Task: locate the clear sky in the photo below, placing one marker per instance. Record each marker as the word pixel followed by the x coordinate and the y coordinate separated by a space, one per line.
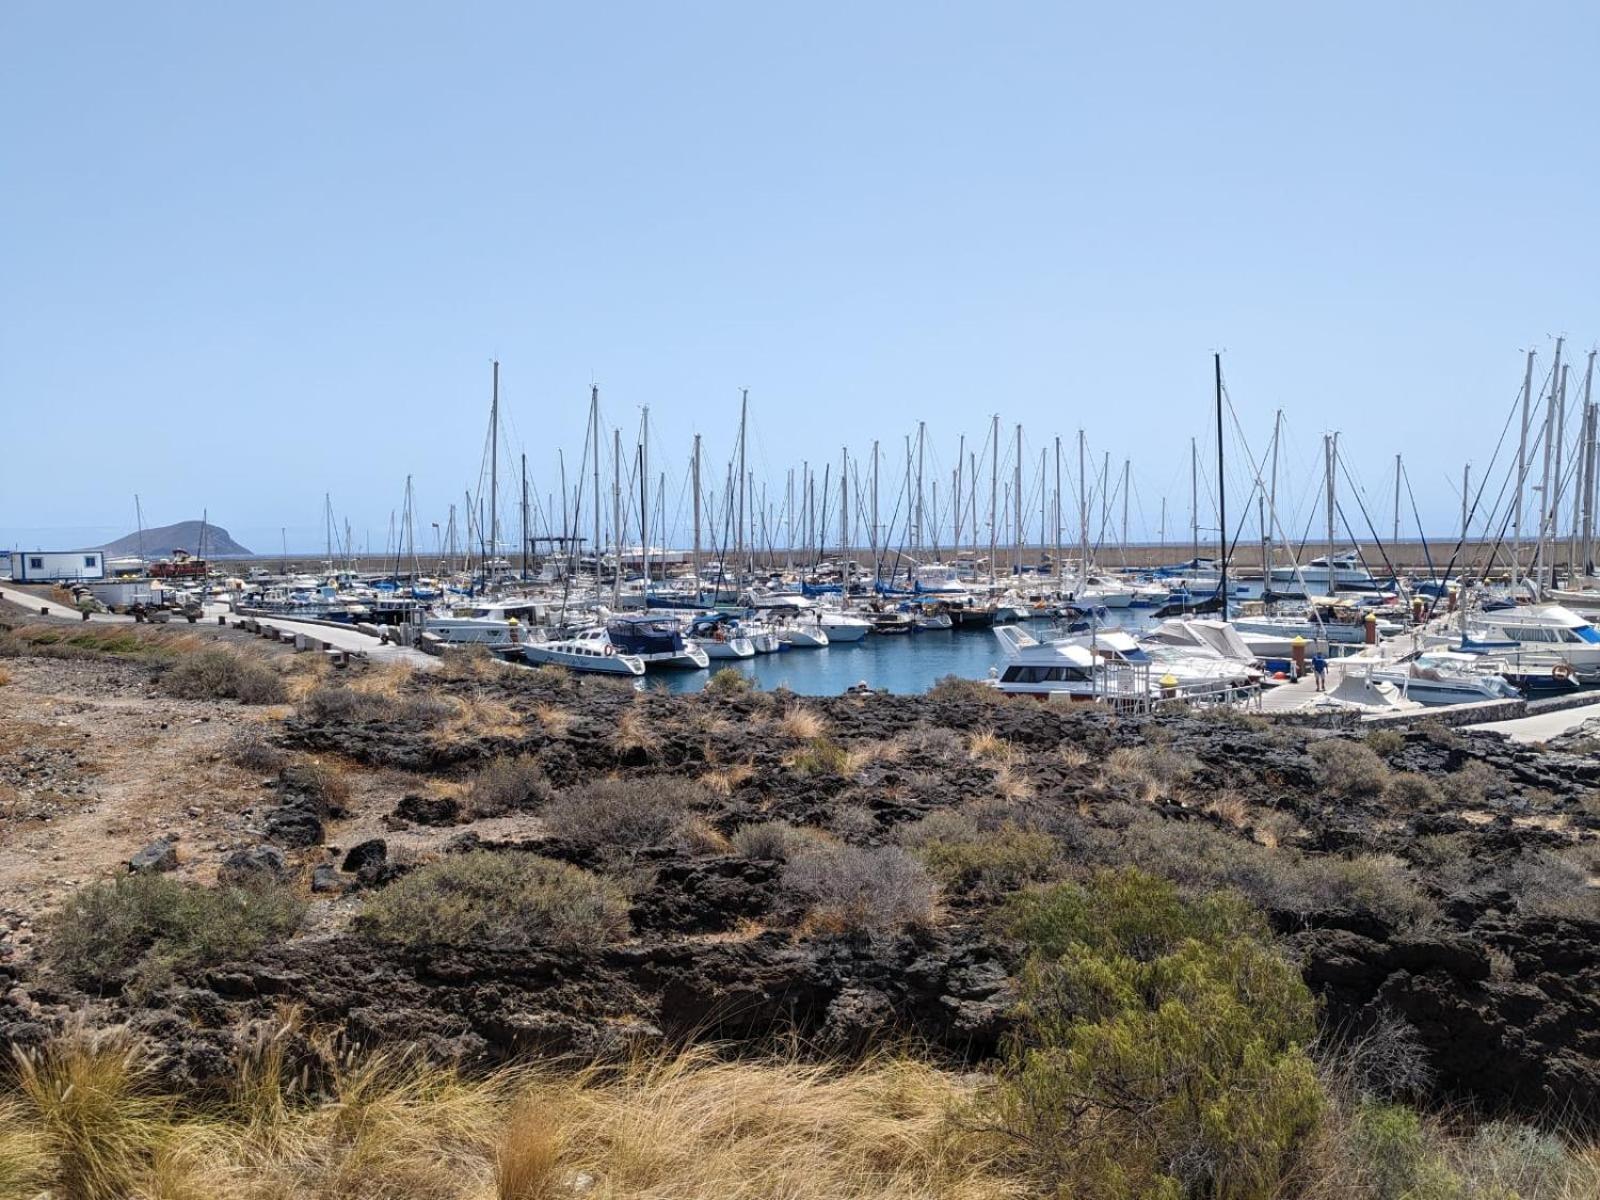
pixel 250 254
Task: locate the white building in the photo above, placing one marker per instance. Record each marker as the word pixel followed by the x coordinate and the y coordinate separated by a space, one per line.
pixel 57 566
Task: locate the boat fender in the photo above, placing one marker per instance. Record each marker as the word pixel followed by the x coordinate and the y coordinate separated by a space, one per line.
pixel 610 649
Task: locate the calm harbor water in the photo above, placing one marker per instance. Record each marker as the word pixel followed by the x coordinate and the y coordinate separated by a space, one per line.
pixel 906 663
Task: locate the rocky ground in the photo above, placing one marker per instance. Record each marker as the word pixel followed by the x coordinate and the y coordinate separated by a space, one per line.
pixel 1438 890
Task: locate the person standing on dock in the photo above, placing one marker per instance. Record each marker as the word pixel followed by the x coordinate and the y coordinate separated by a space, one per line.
pixel 1319 668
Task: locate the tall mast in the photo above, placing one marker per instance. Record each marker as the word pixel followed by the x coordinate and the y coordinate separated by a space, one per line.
pixel 138 518
pixel 1331 448
pixel 616 516
pixel 1522 476
pixel 694 477
pixel 922 428
pixel 956 493
pixel 844 513
pixel 994 491
pixel 1466 491
pixel 594 439
pixel 788 520
pixel 1194 497
pixel 327 524
pixel 1083 517
pixel 1544 487
pixel 1016 519
pixel 1222 494
pixel 1272 504
pixel 1579 478
pixel 1044 505
pixel 525 515
pixel 1055 560
pixel 744 408
pixel 877 546
pixel 1395 537
pixel 1105 497
pixel 644 497
pixel 1556 487
pixel 1589 417
pixel 1127 466
pixel 494 464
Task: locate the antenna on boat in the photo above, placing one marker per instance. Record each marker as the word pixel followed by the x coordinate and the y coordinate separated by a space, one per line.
pixel 1222 494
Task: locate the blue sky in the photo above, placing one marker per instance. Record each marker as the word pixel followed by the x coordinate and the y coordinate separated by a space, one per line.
pixel 252 254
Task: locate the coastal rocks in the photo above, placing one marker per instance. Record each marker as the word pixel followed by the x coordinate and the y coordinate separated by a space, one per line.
pixel 295 827
pixel 428 810
pixel 366 857
pixel 159 855
pixel 324 879
pixel 1525 1039
pixel 253 866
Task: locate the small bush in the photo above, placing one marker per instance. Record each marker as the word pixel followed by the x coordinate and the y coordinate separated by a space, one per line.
pixel 335 704
pixel 217 674
pixel 962 856
pixel 144 928
pixel 1349 769
pixel 508 785
pixel 622 817
pixel 1547 884
pixel 1385 743
pixel 1396 1158
pixel 728 681
pixel 250 749
pixel 632 737
pixel 856 890
pixel 1377 884
pixel 822 756
pixel 1471 785
pixel 775 840
pixel 323 784
pixel 509 900
pixel 952 689
pixel 1159 1051
pixel 1156 771
pixel 1413 791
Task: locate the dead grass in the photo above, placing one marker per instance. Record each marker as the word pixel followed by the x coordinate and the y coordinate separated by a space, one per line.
pixel 5 677
pixel 1011 783
pixel 801 722
pixel 1073 755
pixel 633 736
pixel 1229 807
pixel 1152 772
pixel 988 746
pixel 724 781
pixel 552 718
pixel 477 716
pixel 86 1127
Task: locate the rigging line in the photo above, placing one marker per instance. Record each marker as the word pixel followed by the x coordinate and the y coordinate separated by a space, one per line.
pixel 1361 503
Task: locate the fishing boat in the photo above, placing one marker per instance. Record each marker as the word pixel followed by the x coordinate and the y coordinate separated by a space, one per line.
pixel 1446 677
pixel 590 651
pixel 720 637
pixel 1068 672
pixel 1546 633
pixel 655 641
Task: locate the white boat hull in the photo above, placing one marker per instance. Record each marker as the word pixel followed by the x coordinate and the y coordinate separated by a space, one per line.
pixel 735 647
pixel 590 661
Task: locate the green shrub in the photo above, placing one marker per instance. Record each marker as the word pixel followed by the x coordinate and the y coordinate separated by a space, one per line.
pixel 853 889
pixel 621 816
pixel 509 900
pixel 1412 791
pixel 508 785
pixel 1471 785
pixel 728 681
pixel 1159 1051
pixel 963 692
pixel 821 756
pixel 999 860
pixel 1395 1157
pixel 217 674
pixel 1349 769
pixel 1385 743
pixel 776 840
pixel 144 928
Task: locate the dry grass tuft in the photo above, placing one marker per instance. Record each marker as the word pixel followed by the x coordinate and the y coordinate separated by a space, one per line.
pixel 801 722
pixel 724 781
pixel 552 718
pixel 1073 755
pixel 685 1125
pixel 633 736
pixel 988 746
pixel 1011 783
pixel 5 678
pixel 476 716
pixel 1229 807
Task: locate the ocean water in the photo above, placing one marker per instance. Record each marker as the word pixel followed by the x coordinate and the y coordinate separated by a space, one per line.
pixel 902 663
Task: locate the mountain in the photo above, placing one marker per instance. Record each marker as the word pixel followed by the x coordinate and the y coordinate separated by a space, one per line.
pixel 185 535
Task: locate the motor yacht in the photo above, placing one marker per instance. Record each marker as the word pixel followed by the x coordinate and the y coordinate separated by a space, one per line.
pixel 656 641
pixel 590 651
pixel 1446 677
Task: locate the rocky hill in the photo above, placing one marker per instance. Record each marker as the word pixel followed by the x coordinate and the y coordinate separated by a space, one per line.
pixel 185 535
